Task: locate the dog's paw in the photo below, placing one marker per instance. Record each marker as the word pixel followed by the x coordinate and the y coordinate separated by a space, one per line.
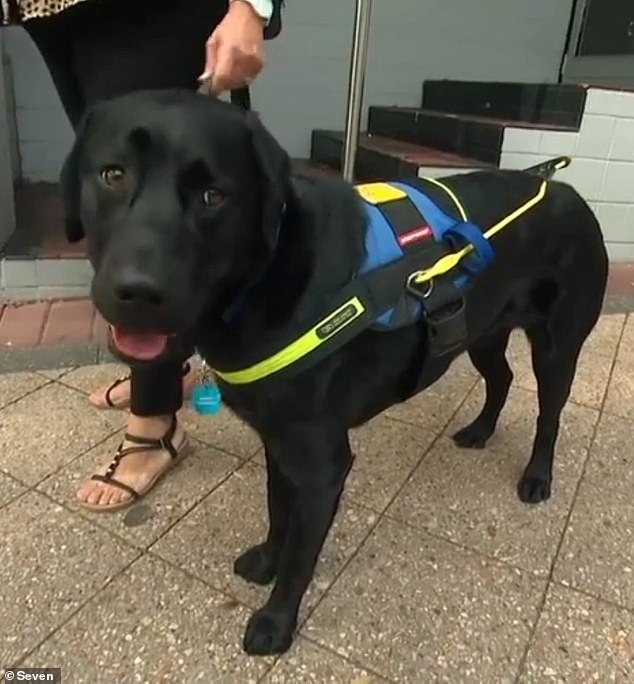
pixel 473 436
pixel 533 489
pixel 256 565
pixel 268 633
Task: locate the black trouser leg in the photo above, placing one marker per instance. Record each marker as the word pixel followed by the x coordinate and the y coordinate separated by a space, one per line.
pixel 156 390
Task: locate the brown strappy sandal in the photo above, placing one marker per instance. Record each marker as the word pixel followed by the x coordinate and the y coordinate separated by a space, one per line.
pixel 144 444
pixel 107 403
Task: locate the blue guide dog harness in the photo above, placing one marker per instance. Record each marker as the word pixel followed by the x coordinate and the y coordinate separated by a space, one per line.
pixel 419 263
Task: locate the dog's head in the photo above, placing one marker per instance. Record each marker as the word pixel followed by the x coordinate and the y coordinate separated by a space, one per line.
pixel 180 198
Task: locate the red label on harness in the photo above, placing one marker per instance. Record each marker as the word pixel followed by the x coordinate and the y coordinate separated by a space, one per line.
pixel 415 235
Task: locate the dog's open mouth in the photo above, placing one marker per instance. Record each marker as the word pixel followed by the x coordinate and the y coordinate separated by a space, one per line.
pixel 141 346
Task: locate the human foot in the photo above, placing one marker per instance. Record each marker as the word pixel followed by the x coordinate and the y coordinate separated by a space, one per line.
pixel 150 448
pixel 117 394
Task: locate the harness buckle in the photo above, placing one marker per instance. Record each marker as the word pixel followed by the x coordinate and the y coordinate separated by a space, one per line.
pixel 420 291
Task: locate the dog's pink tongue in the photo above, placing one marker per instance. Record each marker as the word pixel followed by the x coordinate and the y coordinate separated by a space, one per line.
pixel 136 345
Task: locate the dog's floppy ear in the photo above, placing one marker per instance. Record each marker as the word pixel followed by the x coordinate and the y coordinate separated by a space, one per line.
pixel 70 187
pixel 275 169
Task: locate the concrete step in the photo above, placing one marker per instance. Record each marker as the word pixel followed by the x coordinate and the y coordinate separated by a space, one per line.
pixel 29 278
pixel 473 137
pixel 542 103
pixel 380 157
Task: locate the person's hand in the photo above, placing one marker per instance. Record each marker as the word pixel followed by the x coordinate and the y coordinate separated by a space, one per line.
pixel 235 50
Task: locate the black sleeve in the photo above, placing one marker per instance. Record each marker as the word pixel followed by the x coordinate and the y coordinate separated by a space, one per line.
pixel 275 25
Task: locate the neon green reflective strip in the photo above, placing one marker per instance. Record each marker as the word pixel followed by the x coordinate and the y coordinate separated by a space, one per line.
pixel 329 326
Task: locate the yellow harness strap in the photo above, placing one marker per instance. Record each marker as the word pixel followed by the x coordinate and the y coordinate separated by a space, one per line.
pixel 447 263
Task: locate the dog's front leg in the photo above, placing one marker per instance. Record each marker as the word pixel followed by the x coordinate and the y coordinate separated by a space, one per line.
pixel 259 563
pixel 315 469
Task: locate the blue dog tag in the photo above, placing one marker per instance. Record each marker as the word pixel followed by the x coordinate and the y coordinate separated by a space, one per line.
pixel 206 398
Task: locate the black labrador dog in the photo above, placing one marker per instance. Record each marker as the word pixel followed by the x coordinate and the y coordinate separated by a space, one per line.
pixel 189 204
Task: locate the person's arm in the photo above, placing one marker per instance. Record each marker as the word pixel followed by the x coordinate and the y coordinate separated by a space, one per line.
pixel 235 51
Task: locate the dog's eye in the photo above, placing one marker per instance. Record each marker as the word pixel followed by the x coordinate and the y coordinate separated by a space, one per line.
pixel 212 197
pixel 112 176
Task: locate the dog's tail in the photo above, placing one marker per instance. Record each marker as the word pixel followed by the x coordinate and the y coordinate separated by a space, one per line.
pixel 547 169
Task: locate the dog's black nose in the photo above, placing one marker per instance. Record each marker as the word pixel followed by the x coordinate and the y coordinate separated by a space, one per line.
pixel 134 288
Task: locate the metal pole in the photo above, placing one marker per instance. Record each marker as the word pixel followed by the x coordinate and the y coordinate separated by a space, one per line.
pixel 356 84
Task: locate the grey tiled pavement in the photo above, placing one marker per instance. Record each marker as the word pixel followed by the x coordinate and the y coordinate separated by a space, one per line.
pixel 434 571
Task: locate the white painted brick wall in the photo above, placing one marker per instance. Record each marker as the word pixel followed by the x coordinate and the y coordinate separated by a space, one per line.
pixel 558 143
pixel 595 136
pixel 622 147
pixel 603 162
pixel 522 140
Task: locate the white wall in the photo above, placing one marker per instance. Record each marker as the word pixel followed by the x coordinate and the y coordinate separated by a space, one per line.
pixel 602 168
pixel 44 132
pixel 304 86
pixel 7 208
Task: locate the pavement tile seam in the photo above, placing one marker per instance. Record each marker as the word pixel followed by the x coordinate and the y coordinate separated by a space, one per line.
pixel 93 521
pixel 253 459
pixel 562 536
pixel 19 495
pixel 538 616
pixel 77 390
pixel 110 435
pixel 24 659
pixel 355 663
pixel 46 383
pixel 615 356
pixel 475 380
pixel 197 578
pixel 591 595
pixel 62 373
pixel 13 499
pixel 241 457
pixel 341 571
pixel 267 672
pixel 235 472
pixel 84 393
pixel 626 321
pixel 199 501
pixel 462 547
pixel 542 602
